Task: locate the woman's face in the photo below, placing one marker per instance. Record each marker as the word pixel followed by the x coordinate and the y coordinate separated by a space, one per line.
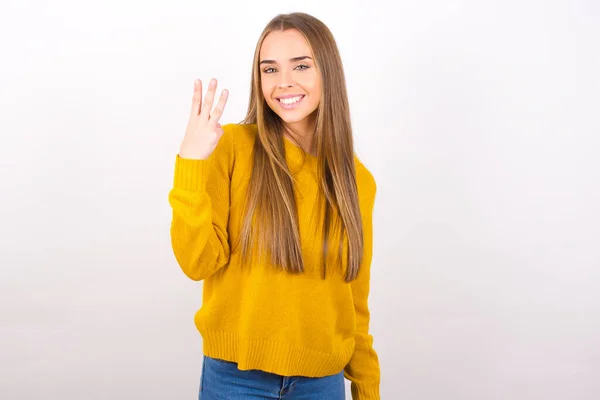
pixel 291 83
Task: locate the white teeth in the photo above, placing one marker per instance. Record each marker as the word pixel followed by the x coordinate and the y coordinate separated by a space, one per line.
pixel 291 100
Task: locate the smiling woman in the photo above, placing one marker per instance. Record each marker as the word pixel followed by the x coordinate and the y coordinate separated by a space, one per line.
pixel 275 215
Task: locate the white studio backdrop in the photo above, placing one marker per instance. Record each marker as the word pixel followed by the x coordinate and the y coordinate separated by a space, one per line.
pixel 479 120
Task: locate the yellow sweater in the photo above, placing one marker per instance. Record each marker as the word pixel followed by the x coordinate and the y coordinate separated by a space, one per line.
pixel 262 317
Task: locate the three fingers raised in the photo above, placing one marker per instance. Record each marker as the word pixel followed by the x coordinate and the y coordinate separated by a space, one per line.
pixel 203 108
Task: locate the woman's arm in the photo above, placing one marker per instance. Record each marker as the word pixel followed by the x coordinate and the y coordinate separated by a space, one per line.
pixel 200 201
pixel 363 368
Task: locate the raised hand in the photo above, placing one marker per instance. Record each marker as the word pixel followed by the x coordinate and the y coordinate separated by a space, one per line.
pixel 203 130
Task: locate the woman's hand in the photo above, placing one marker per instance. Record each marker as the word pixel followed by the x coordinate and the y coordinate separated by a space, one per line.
pixel 203 130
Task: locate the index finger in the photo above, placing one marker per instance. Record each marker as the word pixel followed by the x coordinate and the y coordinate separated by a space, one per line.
pixel 218 111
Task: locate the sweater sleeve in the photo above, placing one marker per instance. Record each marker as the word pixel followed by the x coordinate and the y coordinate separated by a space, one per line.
pixel 200 200
pixel 363 369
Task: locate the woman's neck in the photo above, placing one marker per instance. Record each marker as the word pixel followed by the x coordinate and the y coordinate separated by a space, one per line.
pixel 303 133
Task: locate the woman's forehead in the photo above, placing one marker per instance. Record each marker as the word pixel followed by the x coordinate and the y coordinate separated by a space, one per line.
pixel 281 46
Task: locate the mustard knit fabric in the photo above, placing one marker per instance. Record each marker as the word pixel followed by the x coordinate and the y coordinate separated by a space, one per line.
pixel 262 317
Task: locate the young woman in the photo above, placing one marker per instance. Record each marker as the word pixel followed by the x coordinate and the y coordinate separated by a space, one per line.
pixel 275 215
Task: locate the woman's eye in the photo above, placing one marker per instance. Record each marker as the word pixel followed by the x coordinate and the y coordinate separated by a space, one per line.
pixel 270 70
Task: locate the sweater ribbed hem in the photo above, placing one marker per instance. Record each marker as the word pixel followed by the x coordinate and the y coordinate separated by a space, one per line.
pixel 190 174
pixel 365 391
pixel 274 357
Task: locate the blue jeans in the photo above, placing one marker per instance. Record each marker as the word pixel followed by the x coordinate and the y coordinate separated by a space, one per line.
pixel 222 380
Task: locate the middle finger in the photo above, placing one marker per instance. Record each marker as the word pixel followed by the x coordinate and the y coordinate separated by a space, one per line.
pixel 209 99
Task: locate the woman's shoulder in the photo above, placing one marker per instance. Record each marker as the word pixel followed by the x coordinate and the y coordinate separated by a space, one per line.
pixel 363 175
pixel 236 142
pixel 242 135
pixel 365 181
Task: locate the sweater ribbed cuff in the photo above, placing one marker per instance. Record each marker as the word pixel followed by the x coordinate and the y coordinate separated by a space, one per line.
pixel 190 174
pixel 365 391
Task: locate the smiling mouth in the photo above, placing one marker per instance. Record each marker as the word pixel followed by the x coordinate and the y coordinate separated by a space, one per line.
pixel 290 102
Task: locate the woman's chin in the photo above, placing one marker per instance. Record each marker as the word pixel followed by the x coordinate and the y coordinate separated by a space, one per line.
pixel 291 119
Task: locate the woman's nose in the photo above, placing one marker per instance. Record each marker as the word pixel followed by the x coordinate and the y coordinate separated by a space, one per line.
pixel 285 79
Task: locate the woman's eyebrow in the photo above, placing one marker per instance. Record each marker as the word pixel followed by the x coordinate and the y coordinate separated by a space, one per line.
pixel 291 60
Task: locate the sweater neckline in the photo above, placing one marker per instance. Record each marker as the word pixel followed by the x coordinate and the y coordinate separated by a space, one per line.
pixel 297 155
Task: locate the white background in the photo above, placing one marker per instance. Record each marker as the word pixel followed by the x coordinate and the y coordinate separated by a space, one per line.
pixel 479 120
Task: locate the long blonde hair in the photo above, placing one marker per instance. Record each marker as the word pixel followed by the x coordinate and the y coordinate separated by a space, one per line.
pixel 271 211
